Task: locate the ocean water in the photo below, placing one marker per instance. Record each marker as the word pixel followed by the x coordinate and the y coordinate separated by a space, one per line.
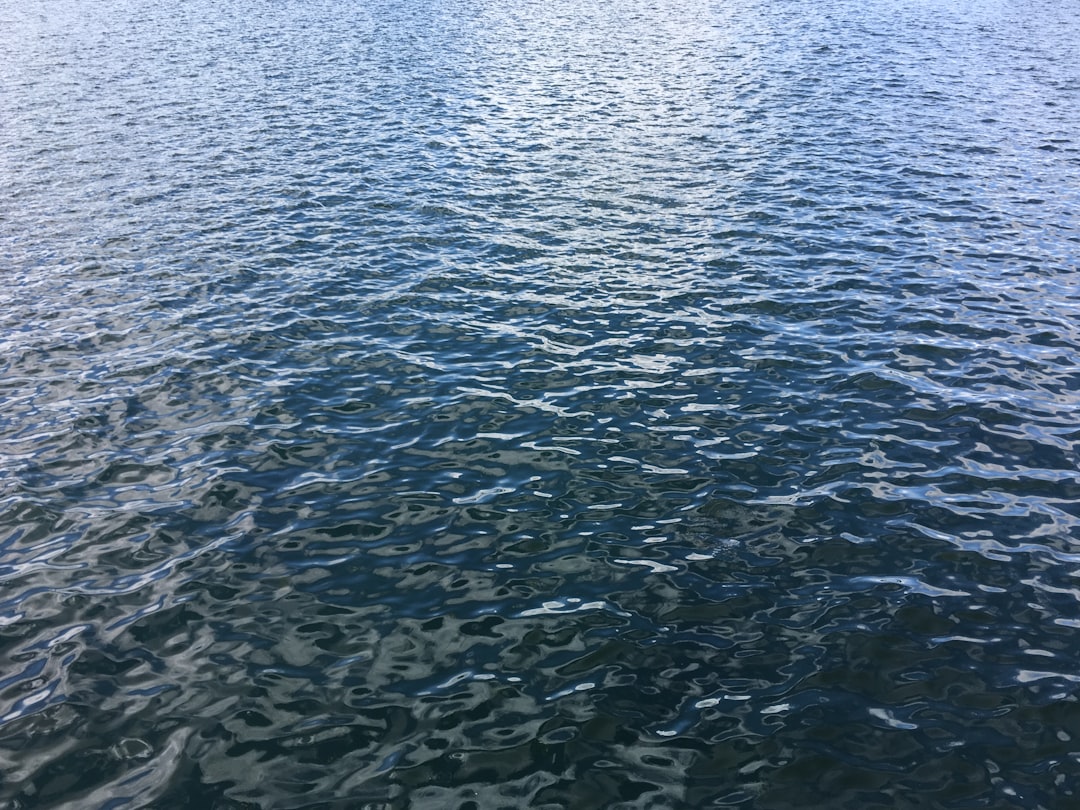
pixel 625 404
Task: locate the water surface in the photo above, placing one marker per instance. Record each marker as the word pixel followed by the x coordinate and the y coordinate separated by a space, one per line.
pixel 539 404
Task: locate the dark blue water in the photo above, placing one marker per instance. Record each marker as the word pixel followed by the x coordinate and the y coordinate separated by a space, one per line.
pixel 636 404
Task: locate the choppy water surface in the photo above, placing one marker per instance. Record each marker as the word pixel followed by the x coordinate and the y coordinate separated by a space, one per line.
pixel 638 404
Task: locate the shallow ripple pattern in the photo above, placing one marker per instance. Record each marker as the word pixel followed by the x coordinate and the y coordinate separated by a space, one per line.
pixel 539 404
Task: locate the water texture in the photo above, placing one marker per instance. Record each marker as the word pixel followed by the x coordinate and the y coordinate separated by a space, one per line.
pixel 636 404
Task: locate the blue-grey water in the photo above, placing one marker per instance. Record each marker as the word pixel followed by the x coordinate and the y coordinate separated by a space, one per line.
pixel 539 404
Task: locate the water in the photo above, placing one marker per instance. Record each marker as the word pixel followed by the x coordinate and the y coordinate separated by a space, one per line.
pixel 641 404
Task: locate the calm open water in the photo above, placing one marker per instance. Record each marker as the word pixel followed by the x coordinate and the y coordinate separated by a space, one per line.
pixel 548 404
